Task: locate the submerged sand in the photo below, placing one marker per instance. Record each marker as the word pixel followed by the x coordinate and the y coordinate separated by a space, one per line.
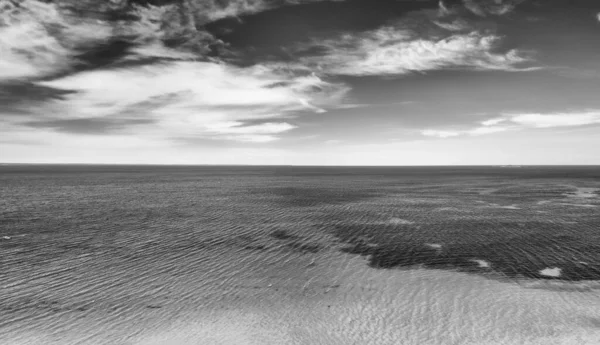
pixel 339 300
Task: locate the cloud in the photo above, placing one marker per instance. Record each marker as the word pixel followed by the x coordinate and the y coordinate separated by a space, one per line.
pixel 191 99
pixel 41 40
pixel 26 48
pixel 15 96
pixel 212 10
pixel 448 37
pixel 454 25
pixel 439 133
pixel 44 39
pixel 512 122
pixel 487 130
pixel 483 8
pixel 152 68
pixel 395 51
pixel 492 122
pixel 215 9
pixel 556 119
pixel 37 39
pixel 482 130
pixel 88 125
pixel 202 84
pixel 263 132
pixel 333 141
pixel 154 72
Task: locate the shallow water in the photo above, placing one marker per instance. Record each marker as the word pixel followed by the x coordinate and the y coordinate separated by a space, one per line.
pixel 289 255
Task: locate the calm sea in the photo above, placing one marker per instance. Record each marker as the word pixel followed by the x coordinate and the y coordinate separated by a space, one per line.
pixel 148 255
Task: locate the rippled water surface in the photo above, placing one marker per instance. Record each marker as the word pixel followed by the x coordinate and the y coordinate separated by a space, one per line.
pixel 299 255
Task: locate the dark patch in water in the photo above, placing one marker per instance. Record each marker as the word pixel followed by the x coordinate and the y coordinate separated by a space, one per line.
pixel 283 235
pixel 593 322
pixel 515 256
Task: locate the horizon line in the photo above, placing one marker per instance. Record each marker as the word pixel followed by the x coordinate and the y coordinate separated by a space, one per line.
pixel 298 165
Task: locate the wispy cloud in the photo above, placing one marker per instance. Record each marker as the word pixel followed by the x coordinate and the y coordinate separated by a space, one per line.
pixel 440 133
pixel 492 122
pixel 395 51
pixel 333 141
pixel 556 119
pixel 38 39
pixel 511 122
pixel 491 7
pixel 487 130
pixel 264 132
pixel 195 99
pixel 482 8
pixel 218 9
pixel 448 37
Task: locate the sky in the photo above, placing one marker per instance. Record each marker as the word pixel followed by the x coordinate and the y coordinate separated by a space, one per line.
pixel 300 82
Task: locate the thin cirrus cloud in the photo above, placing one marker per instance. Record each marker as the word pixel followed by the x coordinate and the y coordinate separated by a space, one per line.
pixel 264 132
pixel 511 122
pixel 422 41
pixel 484 8
pixel 395 51
pixel 557 119
pixel 453 17
pixel 218 9
pixel 439 133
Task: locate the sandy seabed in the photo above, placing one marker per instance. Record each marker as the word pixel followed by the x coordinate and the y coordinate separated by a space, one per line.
pixel 403 307
pixel 343 302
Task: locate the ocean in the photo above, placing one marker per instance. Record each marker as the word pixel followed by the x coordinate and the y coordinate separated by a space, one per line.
pixel 157 255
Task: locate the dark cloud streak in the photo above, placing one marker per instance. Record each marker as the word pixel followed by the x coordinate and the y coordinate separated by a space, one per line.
pixel 16 95
pixel 91 125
